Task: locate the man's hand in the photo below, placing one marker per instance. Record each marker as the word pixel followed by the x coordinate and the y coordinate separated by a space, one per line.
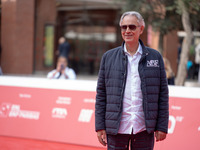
pixel 58 68
pixel 101 134
pixel 160 135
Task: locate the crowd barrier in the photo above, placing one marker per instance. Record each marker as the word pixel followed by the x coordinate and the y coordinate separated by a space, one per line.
pixel 63 111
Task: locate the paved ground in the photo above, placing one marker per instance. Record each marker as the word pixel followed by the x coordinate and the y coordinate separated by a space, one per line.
pixel 11 143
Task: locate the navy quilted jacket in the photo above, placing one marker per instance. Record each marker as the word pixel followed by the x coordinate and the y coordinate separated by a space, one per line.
pixel 111 85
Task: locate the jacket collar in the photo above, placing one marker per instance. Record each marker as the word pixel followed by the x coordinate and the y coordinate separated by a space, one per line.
pixel 144 49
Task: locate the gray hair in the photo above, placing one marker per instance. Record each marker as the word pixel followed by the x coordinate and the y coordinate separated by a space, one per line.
pixel 133 13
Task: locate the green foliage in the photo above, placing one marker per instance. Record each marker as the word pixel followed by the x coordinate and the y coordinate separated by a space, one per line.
pixel 165 15
pixel 192 6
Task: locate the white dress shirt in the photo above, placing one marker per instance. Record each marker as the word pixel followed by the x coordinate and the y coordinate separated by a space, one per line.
pixel 132 115
pixel 68 71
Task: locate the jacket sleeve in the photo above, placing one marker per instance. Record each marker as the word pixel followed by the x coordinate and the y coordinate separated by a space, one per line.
pixel 100 106
pixel 163 103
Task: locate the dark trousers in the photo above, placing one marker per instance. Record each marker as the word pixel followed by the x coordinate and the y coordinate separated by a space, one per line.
pixel 139 141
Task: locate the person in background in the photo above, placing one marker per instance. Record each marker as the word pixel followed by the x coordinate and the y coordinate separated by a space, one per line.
pixel 197 59
pixel 169 72
pixel 179 51
pixel 62 71
pixel 132 92
pixel 63 48
pixel 1 73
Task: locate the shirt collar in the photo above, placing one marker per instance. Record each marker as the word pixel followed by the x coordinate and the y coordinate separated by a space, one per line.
pixel 139 50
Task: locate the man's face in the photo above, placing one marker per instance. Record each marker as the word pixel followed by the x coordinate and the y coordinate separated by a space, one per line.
pixel 62 63
pixel 131 35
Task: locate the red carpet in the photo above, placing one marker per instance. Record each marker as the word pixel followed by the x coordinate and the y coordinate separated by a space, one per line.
pixel 10 143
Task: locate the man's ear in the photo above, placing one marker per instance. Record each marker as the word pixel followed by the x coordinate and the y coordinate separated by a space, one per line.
pixel 141 29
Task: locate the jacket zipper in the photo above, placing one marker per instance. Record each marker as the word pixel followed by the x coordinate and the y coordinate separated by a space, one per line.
pixel 123 87
pixel 144 97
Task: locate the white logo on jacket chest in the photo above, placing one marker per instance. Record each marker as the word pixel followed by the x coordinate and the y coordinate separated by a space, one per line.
pixel 152 63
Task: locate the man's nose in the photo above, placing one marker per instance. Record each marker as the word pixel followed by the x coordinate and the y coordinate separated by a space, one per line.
pixel 128 29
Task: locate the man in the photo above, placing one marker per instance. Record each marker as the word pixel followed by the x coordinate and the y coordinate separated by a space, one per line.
pixel 62 71
pixel 132 92
pixel 63 48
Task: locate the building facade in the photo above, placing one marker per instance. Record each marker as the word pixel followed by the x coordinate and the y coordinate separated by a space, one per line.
pixel 30 30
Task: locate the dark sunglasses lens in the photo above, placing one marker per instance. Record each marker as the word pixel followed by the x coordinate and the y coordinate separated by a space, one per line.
pixel 132 27
pixel 124 27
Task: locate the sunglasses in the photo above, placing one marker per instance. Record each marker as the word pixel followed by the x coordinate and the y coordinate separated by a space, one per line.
pixel 131 27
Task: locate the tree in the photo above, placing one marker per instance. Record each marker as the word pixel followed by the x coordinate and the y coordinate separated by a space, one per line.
pixel 167 15
pixel 184 7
